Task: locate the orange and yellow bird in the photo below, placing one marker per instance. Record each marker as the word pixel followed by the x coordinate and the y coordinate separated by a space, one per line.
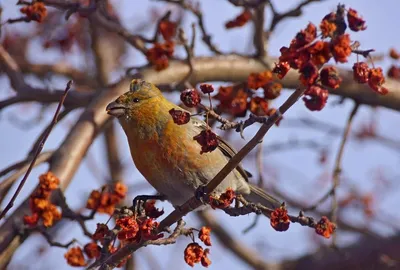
pixel 166 153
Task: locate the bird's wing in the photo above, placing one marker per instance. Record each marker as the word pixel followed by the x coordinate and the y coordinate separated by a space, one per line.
pixel 224 147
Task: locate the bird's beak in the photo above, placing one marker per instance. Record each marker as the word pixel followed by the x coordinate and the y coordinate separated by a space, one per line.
pixel 116 109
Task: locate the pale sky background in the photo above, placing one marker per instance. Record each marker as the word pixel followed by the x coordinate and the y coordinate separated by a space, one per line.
pixel 297 171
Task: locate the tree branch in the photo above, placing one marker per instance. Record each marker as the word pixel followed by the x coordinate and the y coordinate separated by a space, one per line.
pixel 259 33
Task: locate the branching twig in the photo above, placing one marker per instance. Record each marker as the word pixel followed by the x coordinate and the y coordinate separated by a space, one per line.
pixel 238 126
pixel 157 32
pixel 294 12
pixel 100 18
pixel 50 241
pixel 67 212
pixel 38 150
pixel 197 12
pixel 258 209
pixel 113 260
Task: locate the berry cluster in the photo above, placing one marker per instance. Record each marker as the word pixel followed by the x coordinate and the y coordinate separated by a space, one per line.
pixel 309 55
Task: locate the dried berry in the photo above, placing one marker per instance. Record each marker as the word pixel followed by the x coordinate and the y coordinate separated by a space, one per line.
pixel 208 140
pixel 356 23
pixel 330 77
pixel 325 228
pixel 190 97
pixel 279 219
pixel 315 98
pixel 180 117
pixel 361 72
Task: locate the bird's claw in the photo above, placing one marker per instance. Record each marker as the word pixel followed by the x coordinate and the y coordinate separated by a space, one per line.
pixel 140 200
pixel 201 193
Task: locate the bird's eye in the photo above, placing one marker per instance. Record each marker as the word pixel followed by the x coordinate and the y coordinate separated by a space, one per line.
pixel 136 100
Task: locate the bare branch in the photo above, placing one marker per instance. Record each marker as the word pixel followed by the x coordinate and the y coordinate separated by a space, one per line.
pixel 189 55
pixel 232 68
pixel 197 12
pixel 338 164
pixel 49 239
pixel 259 33
pixel 294 12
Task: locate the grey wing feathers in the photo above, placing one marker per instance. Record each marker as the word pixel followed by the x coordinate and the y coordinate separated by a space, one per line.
pixel 224 147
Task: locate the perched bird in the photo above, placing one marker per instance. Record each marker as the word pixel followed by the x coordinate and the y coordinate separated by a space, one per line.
pixel 166 153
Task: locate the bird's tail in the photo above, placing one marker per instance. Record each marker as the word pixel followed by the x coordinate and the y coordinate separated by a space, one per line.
pixel 258 195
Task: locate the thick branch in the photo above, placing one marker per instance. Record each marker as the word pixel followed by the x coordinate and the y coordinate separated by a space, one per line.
pixel 235 68
pixel 259 33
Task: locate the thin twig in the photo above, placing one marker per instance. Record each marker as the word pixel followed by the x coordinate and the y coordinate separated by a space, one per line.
pixel 46 130
pixel 189 58
pixel 338 165
pixel 7 183
pixel 238 126
pixel 38 150
pixel 113 260
pixel 252 225
pixel 51 242
pixel 258 209
pixel 197 12
pixel 67 212
pixel 294 12
pixel 320 201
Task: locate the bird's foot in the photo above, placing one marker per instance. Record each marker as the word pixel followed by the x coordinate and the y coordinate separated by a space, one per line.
pixel 201 194
pixel 140 200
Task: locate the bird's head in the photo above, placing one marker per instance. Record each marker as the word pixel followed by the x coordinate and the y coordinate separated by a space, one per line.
pixel 127 105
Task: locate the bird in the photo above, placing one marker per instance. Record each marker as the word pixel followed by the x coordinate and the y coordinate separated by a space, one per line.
pixel 167 155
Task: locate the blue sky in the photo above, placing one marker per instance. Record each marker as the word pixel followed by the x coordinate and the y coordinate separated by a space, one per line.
pixel 296 172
